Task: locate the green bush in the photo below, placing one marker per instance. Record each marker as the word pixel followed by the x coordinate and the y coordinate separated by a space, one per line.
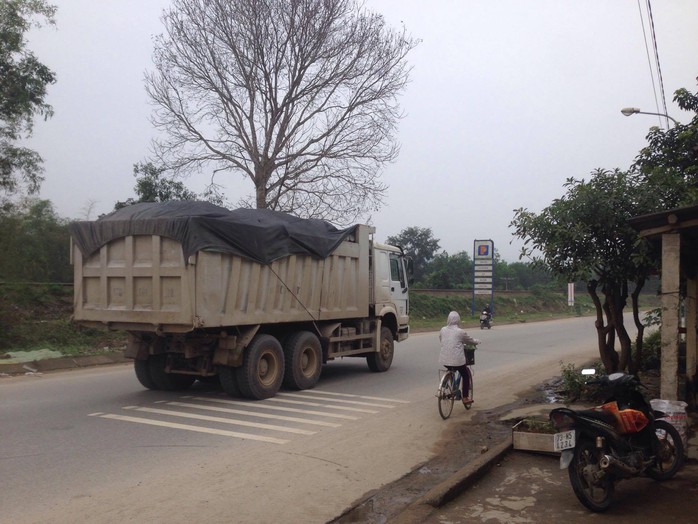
pixel 574 386
pixel 651 351
pixel 423 305
pixel 35 316
pixel 429 311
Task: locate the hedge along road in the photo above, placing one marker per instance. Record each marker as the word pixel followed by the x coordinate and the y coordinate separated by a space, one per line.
pixel 92 445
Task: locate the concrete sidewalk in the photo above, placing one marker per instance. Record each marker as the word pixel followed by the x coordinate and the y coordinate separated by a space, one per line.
pixel 32 362
pixel 512 486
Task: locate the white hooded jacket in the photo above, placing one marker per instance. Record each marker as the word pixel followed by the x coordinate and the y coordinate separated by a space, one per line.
pixel 452 338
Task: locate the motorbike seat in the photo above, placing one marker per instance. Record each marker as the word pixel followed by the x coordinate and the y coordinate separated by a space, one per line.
pixel 597 414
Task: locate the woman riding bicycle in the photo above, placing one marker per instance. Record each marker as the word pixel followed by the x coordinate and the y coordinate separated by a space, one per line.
pixel 452 354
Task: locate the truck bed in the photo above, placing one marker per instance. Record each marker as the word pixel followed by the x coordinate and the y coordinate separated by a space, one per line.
pixel 144 283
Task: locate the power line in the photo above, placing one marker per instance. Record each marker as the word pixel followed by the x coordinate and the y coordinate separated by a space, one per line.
pixel 656 60
pixel 656 57
pixel 647 51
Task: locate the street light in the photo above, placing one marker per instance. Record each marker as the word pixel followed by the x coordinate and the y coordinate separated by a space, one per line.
pixel 627 111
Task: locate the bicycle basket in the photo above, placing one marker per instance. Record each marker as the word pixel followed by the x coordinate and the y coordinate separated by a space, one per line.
pixel 469 356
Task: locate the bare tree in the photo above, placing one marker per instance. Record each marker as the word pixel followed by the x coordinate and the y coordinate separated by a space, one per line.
pixel 298 95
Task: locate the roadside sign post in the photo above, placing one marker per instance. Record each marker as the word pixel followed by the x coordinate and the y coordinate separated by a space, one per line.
pixel 483 272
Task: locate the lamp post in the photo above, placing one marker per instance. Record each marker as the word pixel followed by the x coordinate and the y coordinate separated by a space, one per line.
pixel 627 111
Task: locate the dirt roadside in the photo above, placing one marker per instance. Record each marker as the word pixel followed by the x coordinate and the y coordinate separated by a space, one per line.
pixel 466 453
pixel 487 433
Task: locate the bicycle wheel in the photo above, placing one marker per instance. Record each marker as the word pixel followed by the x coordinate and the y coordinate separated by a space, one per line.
pixel 468 405
pixel 445 395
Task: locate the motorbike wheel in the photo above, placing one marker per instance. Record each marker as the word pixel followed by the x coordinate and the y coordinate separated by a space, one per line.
pixel 593 487
pixel 670 453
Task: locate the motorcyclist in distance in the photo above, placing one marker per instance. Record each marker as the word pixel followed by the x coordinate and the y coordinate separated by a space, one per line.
pixel 486 317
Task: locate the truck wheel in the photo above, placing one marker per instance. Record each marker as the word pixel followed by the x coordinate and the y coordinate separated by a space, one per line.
pixel 381 360
pixel 142 370
pixel 303 357
pixel 228 380
pixel 167 381
pixel 262 369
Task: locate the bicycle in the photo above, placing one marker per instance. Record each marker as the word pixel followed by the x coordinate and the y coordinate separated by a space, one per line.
pixel 449 386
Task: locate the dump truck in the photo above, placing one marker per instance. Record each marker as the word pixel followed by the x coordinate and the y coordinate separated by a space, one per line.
pixel 257 298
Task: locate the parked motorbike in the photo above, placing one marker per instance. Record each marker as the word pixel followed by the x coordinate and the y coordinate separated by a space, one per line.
pixel 620 439
pixel 485 320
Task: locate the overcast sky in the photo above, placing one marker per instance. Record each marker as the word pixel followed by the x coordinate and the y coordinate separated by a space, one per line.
pixel 507 99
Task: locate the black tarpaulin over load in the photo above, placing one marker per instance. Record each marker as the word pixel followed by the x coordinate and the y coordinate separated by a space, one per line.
pixel 258 234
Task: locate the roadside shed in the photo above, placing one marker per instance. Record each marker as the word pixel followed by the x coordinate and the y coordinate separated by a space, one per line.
pixel 676 233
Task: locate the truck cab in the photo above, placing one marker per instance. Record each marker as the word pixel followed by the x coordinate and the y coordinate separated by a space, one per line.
pixel 391 286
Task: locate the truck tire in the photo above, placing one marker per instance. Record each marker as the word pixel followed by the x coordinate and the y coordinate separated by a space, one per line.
pixel 167 381
pixel 303 358
pixel 229 382
pixel 262 370
pixel 142 369
pixel 381 360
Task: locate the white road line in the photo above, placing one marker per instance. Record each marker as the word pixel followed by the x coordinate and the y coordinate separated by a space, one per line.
pixel 260 405
pixel 325 399
pixel 277 399
pixel 221 420
pixel 212 431
pixel 349 395
pixel 254 414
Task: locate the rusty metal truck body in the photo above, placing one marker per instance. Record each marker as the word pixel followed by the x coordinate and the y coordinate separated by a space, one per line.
pixel 256 318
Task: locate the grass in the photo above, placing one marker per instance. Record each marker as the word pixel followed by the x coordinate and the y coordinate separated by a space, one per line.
pixel 535 425
pixel 38 317
pixel 429 312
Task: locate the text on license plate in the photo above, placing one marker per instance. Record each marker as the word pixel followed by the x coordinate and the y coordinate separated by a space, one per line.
pixel 564 440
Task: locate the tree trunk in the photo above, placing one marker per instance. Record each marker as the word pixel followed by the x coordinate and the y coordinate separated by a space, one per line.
pixel 609 358
pixel 617 295
pixel 263 172
pixel 638 323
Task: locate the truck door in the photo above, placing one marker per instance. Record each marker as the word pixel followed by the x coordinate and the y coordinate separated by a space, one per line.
pixel 398 287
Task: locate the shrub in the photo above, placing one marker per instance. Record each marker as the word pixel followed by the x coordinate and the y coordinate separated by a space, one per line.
pixel 34 316
pixel 651 351
pixel 574 386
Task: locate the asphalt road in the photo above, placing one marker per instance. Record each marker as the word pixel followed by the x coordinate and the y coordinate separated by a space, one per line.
pixel 92 445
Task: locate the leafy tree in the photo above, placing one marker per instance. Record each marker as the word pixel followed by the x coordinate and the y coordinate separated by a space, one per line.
pixel 23 81
pixel 151 186
pixel 669 164
pixel 299 97
pixel 446 271
pixel 420 244
pixel 34 243
pixel 527 275
pixel 585 235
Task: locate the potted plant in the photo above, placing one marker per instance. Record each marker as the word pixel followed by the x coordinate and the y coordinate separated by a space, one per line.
pixel 533 434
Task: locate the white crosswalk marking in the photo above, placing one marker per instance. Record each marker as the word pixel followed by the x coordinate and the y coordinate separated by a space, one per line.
pixel 276 408
pixel 315 404
pixel 198 429
pixel 350 395
pixel 342 401
pixel 259 415
pixel 221 420
pixel 294 412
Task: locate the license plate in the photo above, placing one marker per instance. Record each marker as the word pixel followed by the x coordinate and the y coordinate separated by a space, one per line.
pixel 564 440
